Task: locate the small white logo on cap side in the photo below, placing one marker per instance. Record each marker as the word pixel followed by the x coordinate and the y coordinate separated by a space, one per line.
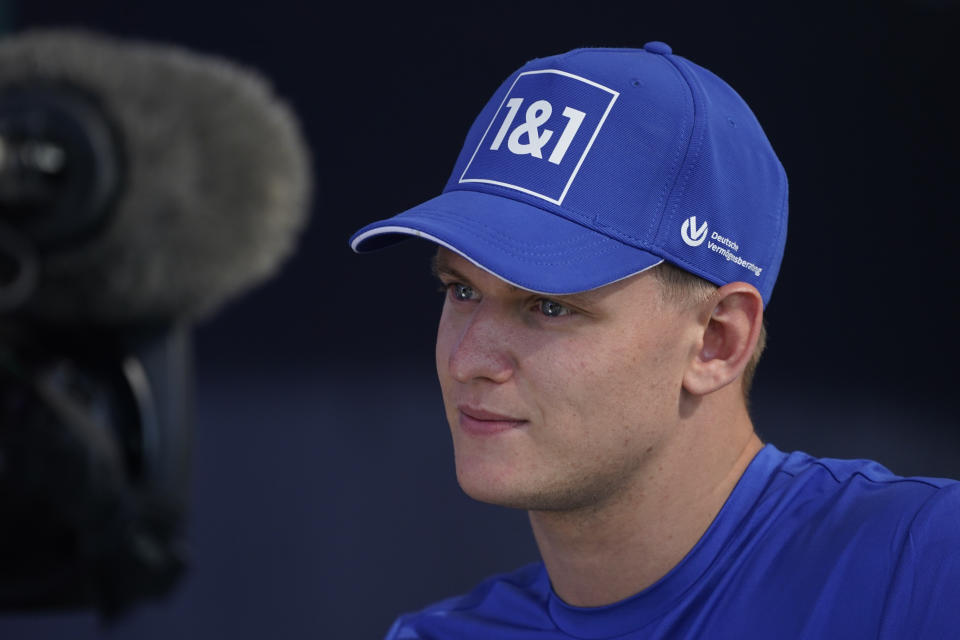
pixel 691 234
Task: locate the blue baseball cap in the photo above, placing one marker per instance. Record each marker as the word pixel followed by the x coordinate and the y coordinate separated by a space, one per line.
pixel 590 166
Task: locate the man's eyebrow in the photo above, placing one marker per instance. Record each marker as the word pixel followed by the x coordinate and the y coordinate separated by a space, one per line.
pixel 441 266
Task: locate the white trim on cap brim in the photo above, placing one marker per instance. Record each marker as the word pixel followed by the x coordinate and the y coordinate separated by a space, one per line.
pixel 420 234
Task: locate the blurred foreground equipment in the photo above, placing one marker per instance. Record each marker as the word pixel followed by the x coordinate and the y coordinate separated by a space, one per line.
pixel 141 187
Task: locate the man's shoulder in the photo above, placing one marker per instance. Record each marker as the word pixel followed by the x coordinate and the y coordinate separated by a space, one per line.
pixel 853 500
pixel 852 506
pixel 820 527
pixel 859 487
pixel 513 596
pixel 796 532
pixel 843 470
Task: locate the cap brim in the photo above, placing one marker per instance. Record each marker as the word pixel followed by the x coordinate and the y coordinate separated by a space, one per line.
pixel 523 245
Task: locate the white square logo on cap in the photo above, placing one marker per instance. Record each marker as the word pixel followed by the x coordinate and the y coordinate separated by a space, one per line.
pixel 541 134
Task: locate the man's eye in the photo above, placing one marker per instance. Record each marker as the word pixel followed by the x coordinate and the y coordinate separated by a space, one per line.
pixel 461 292
pixel 551 308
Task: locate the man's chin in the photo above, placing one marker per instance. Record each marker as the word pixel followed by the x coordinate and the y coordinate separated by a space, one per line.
pixel 516 495
pixel 494 491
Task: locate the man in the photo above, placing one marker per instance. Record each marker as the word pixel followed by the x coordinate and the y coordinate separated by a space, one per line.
pixel 608 240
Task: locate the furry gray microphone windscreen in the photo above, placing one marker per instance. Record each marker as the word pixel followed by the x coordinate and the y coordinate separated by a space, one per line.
pixel 142 186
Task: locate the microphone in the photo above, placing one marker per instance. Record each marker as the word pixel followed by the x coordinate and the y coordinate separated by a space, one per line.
pixel 184 175
pixel 142 186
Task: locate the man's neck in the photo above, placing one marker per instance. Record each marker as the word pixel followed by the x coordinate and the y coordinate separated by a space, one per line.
pixel 607 553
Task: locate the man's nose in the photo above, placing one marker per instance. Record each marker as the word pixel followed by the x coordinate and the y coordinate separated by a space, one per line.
pixel 481 350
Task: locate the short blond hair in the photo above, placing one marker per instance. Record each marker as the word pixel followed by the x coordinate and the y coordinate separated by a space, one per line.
pixel 680 286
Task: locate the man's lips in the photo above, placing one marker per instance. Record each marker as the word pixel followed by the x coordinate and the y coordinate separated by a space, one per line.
pixel 482 422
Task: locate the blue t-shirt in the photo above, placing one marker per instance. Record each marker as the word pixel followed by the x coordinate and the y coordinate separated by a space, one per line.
pixel 803 548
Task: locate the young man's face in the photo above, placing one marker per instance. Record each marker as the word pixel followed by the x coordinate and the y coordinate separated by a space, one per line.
pixel 561 402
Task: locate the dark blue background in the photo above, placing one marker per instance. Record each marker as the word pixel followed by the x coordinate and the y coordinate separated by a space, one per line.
pixel 324 496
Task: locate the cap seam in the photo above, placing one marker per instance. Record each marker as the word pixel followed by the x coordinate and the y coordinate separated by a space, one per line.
pixel 691 157
pixel 597 226
pixel 446 215
pixel 567 212
pixel 526 257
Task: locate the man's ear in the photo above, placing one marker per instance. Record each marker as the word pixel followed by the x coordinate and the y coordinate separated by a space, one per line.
pixel 731 325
